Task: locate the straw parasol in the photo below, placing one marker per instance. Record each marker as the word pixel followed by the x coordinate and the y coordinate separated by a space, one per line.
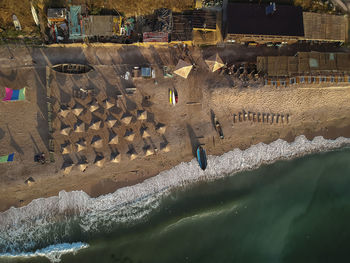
pixel 79 126
pixel 126 118
pixel 67 167
pixel 81 145
pixel 29 181
pixel 111 121
pixel 149 151
pixel 132 154
pixel 93 106
pixel 107 104
pixel 95 124
pixel 82 166
pixel 183 68
pixel 99 160
pixel 160 128
pixel 64 110
pixel 115 157
pixel 65 129
pixel 97 142
pixel 77 109
pixel 66 148
pixel 113 138
pixel 214 62
pixel 141 115
pixel 164 146
pixel 129 135
pixel 144 132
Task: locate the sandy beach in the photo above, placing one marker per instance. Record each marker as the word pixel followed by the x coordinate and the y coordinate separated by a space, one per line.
pixel 312 111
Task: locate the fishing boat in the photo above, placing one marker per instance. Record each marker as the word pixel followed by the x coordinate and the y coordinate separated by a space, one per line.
pixel 72 68
pixel 202 158
pixel 16 22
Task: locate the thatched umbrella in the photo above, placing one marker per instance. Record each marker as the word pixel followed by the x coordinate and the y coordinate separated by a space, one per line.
pixel 214 62
pixel 107 104
pixel 160 128
pixel 66 148
pixel 111 121
pixel 95 124
pixel 115 157
pixel 97 142
pixel 149 152
pixel 164 147
pixel 65 130
pixel 113 138
pixel 129 135
pixel 64 110
pixel 183 68
pixel 141 115
pixel 29 181
pixel 93 106
pixel 126 118
pixel 67 167
pixel 132 154
pixel 82 165
pixel 81 145
pixel 144 132
pixel 77 109
pixel 99 160
pixel 79 126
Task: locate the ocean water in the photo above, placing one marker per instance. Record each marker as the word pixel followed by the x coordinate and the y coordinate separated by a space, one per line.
pixel 249 206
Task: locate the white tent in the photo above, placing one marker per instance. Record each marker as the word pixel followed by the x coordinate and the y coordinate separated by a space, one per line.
pixel 183 68
pixel 214 62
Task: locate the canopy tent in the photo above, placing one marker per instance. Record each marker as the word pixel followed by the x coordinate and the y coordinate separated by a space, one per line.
pixel 107 104
pixel 113 138
pixel 99 160
pixel 214 62
pixel 95 124
pixel 97 142
pixel 81 145
pixel 7 158
pixel 160 128
pixel 66 148
pixel 111 121
pixel 129 135
pixel 65 130
pixel 115 157
pixel 79 126
pixel 93 106
pixel 183 68
pixel 14 94
pixel 63 112
pixel 126 118
pixel 144 132
pixel 77 109
pixel 141 115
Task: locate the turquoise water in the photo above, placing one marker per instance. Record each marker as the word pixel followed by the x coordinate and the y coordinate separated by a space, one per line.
pixel 289 211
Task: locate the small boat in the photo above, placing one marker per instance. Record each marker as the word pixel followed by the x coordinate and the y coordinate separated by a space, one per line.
pixel 176 98
pixel 218 128
pixel 35 14
pixel 72 68
pixel 171 96
pixel 16 22
pixel 202 158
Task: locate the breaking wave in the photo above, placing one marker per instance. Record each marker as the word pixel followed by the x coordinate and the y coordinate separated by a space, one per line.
pixel 60 218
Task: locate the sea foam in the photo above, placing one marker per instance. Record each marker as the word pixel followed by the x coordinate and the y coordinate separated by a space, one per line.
pixel 52 220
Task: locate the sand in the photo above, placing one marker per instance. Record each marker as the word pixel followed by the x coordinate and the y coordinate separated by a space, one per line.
pixel 24 130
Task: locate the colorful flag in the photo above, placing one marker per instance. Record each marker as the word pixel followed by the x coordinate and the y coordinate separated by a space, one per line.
pixel 14 94
pixel 7 158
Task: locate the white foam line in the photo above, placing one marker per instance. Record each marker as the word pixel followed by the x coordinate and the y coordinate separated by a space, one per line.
pixel 53 252
pixel 22 228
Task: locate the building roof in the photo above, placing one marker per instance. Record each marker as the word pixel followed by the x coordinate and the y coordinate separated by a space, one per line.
pixel 99 25
pixel 252 19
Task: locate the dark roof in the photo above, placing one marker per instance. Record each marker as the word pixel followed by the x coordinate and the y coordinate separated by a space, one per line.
pixel 252 19
pixel 182 26
pixel 204 19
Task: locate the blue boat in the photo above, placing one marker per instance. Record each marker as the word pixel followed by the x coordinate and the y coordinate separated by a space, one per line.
pixel 202 157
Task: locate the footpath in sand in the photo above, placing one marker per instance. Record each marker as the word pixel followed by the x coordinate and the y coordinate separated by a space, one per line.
pixel 24 128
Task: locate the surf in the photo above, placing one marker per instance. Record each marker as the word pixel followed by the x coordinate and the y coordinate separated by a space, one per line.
pixel 57 219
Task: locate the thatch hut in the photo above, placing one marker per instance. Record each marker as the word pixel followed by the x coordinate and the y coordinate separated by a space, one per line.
pixel 107 104
pixel 80 145
pixel 183 69
pixel 79 126
pixel 95 124
pixel 113 138
pixel 93 106
pixel 129 135
pixel 67 167
pixel 132 154
pixel 97 142
pixel 142 115
pixel 126 118
pixel 100 160
pixel 160 127
pixel 115 157
pixel 77 109
pixel 164 147
pixel 214 62
pixel 65 130
pixel 111 121
pixel 66 148
pixel 144 132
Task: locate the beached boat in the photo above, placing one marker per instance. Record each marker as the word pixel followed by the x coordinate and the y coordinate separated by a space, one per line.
pixel 202 157
pixel 16 22
pixel 35 14
pixel 72 68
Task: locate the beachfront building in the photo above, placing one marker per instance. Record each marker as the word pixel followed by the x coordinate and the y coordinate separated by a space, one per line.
pixel 305 67
pixel 281 24
pixel 101 26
